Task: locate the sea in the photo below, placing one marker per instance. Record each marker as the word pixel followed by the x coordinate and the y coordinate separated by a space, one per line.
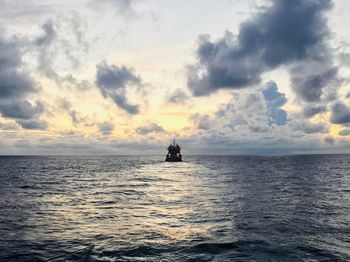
pixel 206 208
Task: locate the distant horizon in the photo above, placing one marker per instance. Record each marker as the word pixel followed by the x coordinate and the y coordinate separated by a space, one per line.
pixel 184 156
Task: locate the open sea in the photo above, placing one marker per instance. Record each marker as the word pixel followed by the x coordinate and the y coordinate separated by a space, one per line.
pixel 207 208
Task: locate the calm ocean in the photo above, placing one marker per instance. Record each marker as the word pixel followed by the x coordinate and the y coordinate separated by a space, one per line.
pixel 139 208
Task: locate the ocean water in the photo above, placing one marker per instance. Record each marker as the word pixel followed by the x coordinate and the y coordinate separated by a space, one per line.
pixel 207 208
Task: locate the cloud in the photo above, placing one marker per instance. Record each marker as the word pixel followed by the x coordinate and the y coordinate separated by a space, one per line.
pixel 344 132
pixel 311 128
pixel 151 128
pixel 340 114
pixel 21 109
pixel 178 97
pixel 106 128
pixel 13 83
pixel 126 9
pixel 48 36
pixel 80 146
pixel 313 110
pixel 22 8
pixel 76 118
pixel 8 126
pixel 275 100
pixel 329 140
pixel 16 86
pixel 344 59
pixel 310 79
pixel 33 124
pixel 285 33
pixel 251 143
pixel 258 111
pixel 202 122
pixel 119 6
pixel 43 44
pixel 113 82
pixel 61 47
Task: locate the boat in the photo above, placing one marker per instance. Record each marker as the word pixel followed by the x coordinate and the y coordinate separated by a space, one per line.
pixel 174 153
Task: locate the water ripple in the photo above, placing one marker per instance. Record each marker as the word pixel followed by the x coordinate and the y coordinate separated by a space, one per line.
pixel 217 208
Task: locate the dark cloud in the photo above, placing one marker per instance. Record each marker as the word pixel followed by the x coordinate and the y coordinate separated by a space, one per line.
pixel 13 83
pixel 275 100
pixel 33 124
pixel 311 128
pixel 312 110
pixel 113 82
pixel 151 128
pixel 114 77
pixel 106 128
pixel 21 109
pixel 16 86
pixel 310 85
pixel 340 114
pixel 287 32
pixel 178 97
pixel 344 132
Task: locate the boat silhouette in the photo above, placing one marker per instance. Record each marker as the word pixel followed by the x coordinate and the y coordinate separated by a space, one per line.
pixel 174 153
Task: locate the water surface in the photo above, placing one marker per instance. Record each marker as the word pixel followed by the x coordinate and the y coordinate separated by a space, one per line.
pixel 133 208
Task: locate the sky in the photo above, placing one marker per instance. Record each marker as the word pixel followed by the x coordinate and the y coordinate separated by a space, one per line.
pixel 222 76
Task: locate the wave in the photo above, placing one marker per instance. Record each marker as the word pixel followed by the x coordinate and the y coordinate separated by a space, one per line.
pixel 226 251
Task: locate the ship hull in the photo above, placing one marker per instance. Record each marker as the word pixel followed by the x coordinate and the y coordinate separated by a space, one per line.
pixel 173 159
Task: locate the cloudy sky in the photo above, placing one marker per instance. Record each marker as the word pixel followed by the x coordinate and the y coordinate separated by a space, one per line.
pixel 222 76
